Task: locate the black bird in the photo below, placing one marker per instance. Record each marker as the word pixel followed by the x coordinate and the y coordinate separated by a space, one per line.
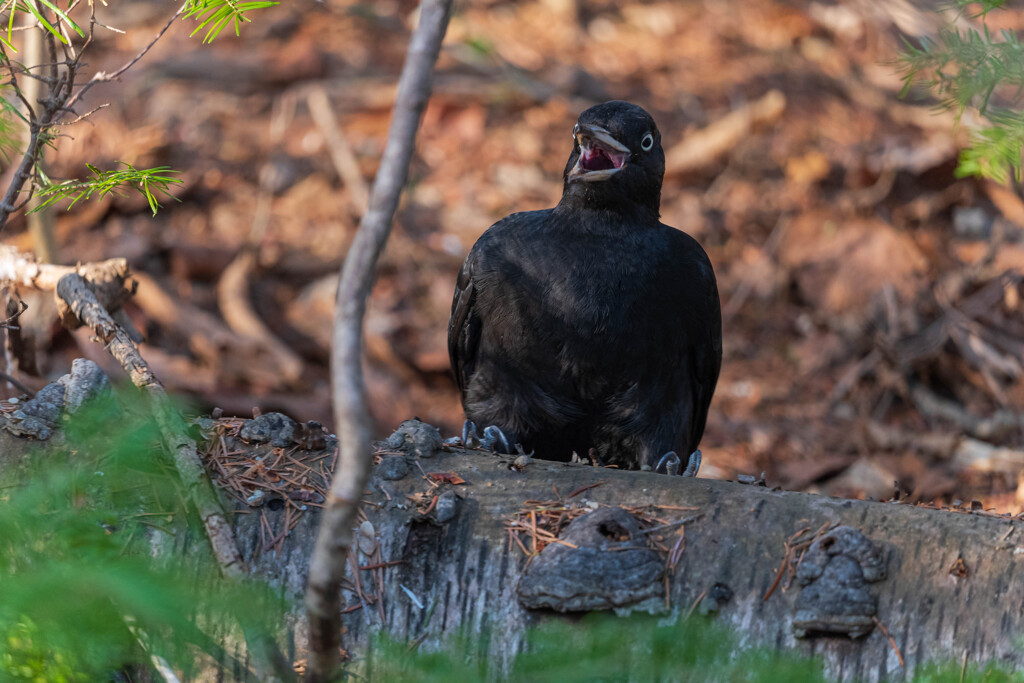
pixel 591 325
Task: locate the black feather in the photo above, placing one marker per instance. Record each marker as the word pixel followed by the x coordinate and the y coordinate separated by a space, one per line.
pixel 592 324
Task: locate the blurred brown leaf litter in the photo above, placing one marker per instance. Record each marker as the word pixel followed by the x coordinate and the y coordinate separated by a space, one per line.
pixel 872 300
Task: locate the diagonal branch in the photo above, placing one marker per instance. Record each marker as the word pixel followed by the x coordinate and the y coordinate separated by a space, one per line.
pixel 78 296
pixel 352 418
pixel 103 77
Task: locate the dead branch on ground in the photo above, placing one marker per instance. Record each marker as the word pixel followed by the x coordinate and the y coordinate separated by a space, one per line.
pixel 76 293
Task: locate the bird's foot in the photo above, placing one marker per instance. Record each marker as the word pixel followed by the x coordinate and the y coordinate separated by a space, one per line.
pixel 493 439
pixel 670 464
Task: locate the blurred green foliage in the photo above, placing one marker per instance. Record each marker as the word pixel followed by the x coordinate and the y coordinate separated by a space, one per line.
pixel 78 530
pixel 964 67
pixel 638 649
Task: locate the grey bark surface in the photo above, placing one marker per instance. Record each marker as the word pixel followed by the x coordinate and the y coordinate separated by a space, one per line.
pixel 464 573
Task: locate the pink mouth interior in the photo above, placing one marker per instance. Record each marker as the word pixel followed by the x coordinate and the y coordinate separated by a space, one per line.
pixel 597 159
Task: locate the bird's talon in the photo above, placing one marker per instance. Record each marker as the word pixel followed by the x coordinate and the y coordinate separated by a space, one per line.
pixel 669 464
pixel 693 465
pixel 495 440
pixel 469 435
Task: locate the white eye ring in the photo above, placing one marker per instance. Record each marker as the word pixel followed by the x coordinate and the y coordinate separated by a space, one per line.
pixel 647 143
pixel 575 130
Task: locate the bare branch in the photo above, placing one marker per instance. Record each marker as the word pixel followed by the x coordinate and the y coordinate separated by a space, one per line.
pixel 103 77
pixel 16 384
pixel 344 158
pixel 59 99
pixel 82 117
pixel 24 172
pixel 51 51
pixel 352 417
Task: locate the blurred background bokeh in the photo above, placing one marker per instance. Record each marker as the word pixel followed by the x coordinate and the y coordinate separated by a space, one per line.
pixel 871 300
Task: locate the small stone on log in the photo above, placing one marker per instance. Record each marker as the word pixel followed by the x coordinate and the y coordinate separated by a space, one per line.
pixel 85 384
pixel 276 428
pixel 415 438
pixel 447 506
pixel 393 467
pixel 40 416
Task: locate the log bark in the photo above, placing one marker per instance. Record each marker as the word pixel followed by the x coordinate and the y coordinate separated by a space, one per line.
pixel 463 574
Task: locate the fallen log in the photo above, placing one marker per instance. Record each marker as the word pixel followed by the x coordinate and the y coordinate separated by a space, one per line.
pixel 437 558
pixel 435 568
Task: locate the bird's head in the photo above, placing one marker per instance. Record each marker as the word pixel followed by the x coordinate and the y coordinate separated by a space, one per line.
pixel 617 159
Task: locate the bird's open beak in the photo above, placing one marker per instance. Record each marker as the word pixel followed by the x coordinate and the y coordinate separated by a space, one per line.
pixel 601 155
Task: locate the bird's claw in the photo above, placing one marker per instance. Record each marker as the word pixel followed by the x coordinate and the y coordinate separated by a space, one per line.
pixel 693 464
pixel 469 437
pixel 493 439
pixel 670 464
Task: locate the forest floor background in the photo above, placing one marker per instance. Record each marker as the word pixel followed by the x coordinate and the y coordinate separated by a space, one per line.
pixel 871 300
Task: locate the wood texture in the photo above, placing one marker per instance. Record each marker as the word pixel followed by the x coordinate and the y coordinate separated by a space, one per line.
pixel 464 573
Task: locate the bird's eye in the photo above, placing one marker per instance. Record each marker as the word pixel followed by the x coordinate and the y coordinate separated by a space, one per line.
pixel 647 143
pixel 575 131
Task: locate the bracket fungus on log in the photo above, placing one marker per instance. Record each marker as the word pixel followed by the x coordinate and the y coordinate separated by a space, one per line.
pixel 835 574
pixel 603 562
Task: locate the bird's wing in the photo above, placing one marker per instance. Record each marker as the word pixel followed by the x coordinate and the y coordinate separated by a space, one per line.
pixel 706 356
pixel 464 325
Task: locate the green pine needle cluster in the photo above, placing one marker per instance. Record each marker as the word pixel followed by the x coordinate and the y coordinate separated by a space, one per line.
pixel 213 16
pixel 149 182
pixel 964 68
pixel 976 8
pixel 995 151
pixel 38 9
pixel 216 15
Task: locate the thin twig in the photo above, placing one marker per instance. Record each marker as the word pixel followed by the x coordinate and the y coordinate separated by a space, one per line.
pixel 892 641
pixel 352 417
pixel 103 77
pixel 16 384
pixel 672 525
